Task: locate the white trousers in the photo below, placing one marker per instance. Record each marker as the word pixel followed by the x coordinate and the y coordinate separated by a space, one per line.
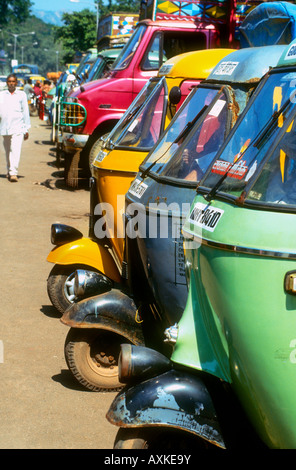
pixel 13 146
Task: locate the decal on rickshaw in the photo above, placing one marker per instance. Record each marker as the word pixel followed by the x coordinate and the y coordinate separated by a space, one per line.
pixel 236 170
pixel 101 155
pixel 291 52
pixel 138 188
pixel 217 108
pixel 226 68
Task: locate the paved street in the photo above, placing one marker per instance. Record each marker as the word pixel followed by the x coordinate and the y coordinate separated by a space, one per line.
pixel 41 406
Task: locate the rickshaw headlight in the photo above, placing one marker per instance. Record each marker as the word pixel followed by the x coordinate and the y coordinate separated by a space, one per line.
pixel 137 363
pixel 89 283
pixel 61 234
pixel 290 282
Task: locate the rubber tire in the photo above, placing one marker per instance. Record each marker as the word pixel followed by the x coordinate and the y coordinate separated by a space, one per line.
pixel 96 147
pixel 72 168
pixel 78 358
pixel 56 284
pixel 155 437
pixel 132 438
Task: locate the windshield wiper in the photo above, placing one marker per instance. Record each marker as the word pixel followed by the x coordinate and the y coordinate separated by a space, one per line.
pixel 180 136
pixel 256 142
pixel 272 120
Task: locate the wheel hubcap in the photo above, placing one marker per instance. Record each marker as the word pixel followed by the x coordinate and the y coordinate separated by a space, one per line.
pixel 104 353
pixel 69 288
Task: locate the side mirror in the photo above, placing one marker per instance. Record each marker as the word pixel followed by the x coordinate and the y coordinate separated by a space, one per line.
pixel 175 95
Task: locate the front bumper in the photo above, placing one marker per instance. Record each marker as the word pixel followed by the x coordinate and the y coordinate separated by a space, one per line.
pixel 72 142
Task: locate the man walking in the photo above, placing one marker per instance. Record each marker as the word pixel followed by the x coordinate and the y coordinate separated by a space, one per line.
pixel 28 89
pixel 14 124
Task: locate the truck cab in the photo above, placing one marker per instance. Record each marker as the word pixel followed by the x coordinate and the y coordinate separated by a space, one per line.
pixel 93 110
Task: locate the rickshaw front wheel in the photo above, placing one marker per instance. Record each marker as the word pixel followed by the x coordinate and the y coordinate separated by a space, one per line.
pixel 92 357
pixel 159 438
pixel 60 285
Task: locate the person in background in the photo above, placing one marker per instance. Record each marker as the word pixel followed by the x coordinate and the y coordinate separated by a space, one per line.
pixel 37 88
pixel 45 88
pixel 14 124
pixel 28 88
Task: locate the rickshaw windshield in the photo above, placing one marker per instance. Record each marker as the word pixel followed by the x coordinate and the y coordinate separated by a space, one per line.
pixel 236 167
pixel 173 140
pixel 127 53
pixel 131 113
pixel 275 184
pixel 143 131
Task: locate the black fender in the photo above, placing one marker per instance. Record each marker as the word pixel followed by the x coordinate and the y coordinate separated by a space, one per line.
pixel 174 399
pixel 112 310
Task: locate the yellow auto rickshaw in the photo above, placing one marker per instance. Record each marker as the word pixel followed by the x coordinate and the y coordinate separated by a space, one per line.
pixel 114 167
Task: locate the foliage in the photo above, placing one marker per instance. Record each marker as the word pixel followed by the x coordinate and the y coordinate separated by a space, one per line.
pixel 50 47
pixel 125 6
pixel 39 49
pixel 14 10
pixel 78 34
pixel 79 30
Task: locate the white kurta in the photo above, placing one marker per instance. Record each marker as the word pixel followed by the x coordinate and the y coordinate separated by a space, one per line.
pixel 14 123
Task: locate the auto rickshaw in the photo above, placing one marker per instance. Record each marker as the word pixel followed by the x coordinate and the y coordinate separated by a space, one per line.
pixel 231 380
pixel 135 310
pixel 117 159
pixel 112 177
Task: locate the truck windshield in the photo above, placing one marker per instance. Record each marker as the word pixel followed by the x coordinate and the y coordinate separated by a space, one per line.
pixel 188 145
pixel 97 66
pixel 84 61
pixel 147 124
pixel 126 127
pixel 240 165
pixel 129 49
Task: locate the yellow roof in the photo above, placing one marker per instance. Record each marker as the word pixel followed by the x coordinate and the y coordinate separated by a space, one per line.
pixel 36 77
pixel 196 64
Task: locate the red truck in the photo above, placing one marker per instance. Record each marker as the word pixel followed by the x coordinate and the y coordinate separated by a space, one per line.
pixel 92 110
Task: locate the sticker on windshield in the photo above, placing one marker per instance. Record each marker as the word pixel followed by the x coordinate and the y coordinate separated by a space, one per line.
pixel 217 108
pixel 233 170
pixel 205 216
pixel 101 155
pixel 138 188
pixel 226 68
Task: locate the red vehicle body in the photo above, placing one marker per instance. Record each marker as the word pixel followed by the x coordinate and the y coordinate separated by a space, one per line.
pixel 93 109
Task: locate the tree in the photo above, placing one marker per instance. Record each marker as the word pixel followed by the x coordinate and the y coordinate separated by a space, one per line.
pixel 125 6
pixel 79 30
pixel 14 10
pixel 38 48
pixel 78 34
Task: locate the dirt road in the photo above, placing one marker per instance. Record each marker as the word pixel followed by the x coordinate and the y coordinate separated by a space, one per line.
pixel 41 407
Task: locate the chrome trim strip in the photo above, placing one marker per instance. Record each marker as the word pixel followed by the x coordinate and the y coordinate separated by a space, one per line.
pixel 238 249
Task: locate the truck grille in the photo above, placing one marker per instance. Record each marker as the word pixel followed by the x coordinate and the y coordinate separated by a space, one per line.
pixel 72 114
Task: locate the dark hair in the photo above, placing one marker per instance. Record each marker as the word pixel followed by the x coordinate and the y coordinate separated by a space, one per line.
pixel 29 81
pixel 11 75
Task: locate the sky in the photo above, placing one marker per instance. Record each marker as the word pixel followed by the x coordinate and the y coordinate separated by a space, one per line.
pixel 63 5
